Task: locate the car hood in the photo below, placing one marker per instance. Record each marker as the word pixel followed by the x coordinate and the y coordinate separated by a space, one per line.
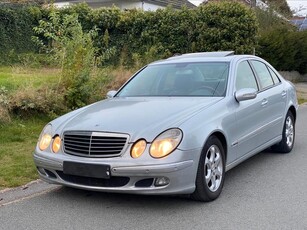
pixel 138 117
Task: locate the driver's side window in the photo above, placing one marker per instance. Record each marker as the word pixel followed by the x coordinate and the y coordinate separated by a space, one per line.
pixel 245 77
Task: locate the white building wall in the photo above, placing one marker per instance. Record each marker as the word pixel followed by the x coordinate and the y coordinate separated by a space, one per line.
pixel 152 7
pixel 120 4
pixel 139 5
pixel 61 4
pixel 129 5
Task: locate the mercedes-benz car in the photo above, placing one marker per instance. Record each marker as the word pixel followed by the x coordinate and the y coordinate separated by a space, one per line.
pixel 175 127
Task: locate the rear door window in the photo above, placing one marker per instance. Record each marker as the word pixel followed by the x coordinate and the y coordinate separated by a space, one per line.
pixel 263 74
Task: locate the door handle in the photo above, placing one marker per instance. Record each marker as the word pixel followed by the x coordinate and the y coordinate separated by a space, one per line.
pixel 264 102
pixel 284 93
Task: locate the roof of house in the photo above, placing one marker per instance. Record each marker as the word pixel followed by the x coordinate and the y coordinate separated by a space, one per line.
pixel 299 22
pixel 174 3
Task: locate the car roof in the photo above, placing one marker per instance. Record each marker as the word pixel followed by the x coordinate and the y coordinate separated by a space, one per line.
pixel 220 56
pixel 204 54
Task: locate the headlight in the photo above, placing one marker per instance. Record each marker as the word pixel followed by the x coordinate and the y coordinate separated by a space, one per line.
pixel 45 138
pixel 138 148
pixel 165 143
pixel 56 144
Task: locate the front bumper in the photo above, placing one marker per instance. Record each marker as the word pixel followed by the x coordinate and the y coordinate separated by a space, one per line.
pixel 127 176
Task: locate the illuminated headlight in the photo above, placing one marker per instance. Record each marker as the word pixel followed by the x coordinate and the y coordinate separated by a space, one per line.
pixel 138 148
pixel 165 143
pixel 56 144
pixel 45 138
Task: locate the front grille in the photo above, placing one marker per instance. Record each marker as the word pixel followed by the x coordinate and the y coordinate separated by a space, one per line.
pixel 94 144
pixel 114 181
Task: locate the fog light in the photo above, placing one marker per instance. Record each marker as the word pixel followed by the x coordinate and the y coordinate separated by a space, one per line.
pixel 161 181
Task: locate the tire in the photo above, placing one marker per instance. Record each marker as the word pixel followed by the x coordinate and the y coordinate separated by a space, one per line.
pixel 288 135
pixel 211 171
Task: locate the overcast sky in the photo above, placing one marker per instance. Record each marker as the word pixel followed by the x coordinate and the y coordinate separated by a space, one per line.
pixel 294 5
pixel 298 5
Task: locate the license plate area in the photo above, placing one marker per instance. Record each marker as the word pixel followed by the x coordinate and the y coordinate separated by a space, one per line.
pixel 87 170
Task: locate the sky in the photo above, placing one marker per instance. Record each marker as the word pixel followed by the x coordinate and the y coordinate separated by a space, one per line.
pixel 294 5
pixel 298 5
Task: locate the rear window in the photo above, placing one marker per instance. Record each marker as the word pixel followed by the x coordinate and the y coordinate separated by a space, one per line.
pixel 274 76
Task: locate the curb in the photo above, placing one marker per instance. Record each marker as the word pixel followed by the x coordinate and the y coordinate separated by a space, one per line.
pixel 29 190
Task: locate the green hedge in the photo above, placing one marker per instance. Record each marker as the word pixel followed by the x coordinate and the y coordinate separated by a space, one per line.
pixel 138 36
pixel 285 49
pixel 134 36
pixel 216 26
pixel 16 28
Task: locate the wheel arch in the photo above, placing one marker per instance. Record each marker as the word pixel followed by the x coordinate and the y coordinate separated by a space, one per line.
pixel 202 191
pixel 223 140
pixel 293 111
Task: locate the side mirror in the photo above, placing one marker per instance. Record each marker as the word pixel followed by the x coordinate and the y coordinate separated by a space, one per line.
pixel 111 94
pixel 245 94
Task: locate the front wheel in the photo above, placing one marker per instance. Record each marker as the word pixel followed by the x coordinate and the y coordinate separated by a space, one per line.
pixel 288 135
pixel 211 171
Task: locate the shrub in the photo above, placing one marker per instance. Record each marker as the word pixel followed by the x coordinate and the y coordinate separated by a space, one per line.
pixel 281 44
pixel 123 37
pixel 16 23
pixel 118 77
pixel 226 26
pixel 73 49
pixel 4 115
pixel 285 49
pixel 212 27
pixel 4 103
pixel 30 101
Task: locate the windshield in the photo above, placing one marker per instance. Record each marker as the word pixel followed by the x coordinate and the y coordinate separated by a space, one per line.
pixel 207 79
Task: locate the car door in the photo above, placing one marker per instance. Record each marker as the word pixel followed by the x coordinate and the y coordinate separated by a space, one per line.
pixel 249 113
pixel 273 101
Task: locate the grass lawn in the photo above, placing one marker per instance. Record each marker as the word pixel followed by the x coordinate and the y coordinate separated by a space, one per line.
pixel 17 142
pixel 302 100
pixel 18 138
pixel 14 77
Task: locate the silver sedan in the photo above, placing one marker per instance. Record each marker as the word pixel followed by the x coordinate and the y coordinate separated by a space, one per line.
pixel 175 127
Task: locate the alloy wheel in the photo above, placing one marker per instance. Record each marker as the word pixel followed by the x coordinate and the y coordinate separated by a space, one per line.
pixel 289 131
pixel 213 168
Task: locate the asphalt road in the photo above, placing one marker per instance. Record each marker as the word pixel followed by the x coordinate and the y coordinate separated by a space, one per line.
pixel 269 191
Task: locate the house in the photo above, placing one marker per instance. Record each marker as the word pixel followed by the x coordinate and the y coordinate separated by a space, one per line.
pixel 147 5
pixel 299 22
pixel 253 3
